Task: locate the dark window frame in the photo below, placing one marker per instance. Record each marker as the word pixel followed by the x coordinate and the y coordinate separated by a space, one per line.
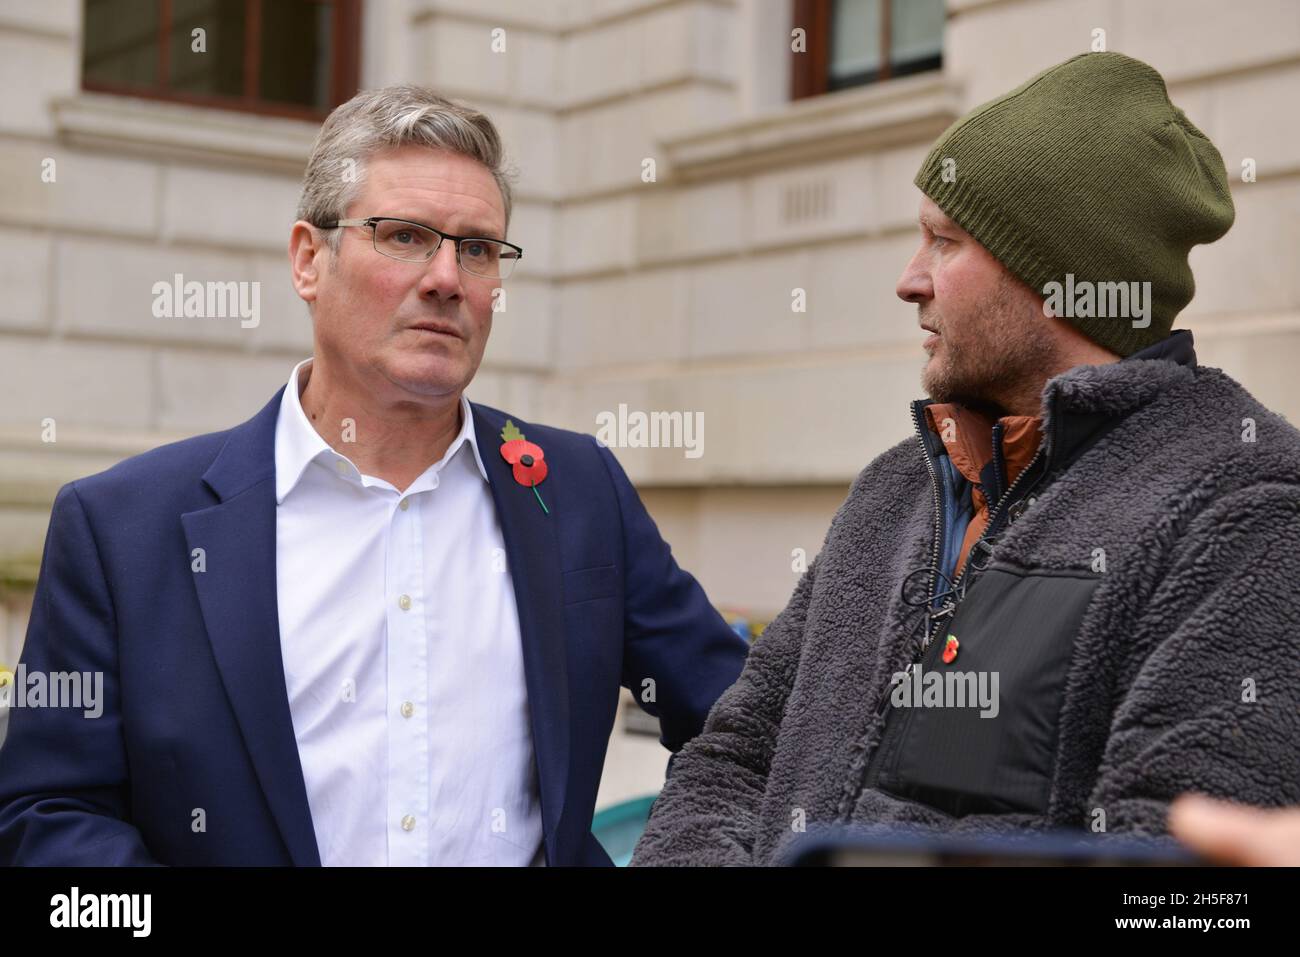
pixel 345 56
pixel 810 70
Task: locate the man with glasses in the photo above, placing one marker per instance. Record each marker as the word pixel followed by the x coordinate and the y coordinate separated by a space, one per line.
pixel 376 623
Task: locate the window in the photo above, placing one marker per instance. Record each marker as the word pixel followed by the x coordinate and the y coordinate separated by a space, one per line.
pixel 293 58
pixel 853 42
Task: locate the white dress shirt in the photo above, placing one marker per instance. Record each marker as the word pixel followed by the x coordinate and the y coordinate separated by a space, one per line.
pixel 402 657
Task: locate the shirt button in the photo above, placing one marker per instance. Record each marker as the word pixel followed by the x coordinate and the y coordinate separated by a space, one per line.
pixel 404 504
pixel 341 466
pixel 404 603
pixel 408 709
pixel 408 823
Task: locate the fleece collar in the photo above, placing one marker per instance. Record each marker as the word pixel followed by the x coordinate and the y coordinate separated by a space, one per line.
pixel 1081 402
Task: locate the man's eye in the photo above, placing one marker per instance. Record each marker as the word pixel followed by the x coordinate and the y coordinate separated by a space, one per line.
pixel 404 236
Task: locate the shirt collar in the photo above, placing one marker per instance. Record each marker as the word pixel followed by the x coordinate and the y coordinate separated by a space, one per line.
pixel 1178 346
pixel 298 444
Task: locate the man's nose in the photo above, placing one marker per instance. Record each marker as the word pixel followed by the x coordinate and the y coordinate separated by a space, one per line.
pixel 442 275
pixel 914 285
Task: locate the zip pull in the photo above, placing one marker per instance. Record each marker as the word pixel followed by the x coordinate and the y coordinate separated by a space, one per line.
pixel 894 683
pixel 984 549
pixel 1018 509
pixel 948 608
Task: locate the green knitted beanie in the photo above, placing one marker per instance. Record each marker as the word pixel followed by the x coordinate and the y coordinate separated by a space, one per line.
pixel 1087 183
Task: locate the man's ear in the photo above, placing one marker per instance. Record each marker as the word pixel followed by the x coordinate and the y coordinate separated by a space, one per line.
pixel 307 252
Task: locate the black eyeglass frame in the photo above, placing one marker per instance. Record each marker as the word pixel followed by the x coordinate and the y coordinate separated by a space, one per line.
pixel 371 221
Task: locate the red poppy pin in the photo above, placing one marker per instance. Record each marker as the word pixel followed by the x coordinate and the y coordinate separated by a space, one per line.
pixel 950 649
pixel 526 459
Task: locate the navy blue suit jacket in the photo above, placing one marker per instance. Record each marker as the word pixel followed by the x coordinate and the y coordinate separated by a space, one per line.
pixel 195 709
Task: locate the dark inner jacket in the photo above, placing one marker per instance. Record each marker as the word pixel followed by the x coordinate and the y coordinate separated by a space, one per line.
pixel 1133 595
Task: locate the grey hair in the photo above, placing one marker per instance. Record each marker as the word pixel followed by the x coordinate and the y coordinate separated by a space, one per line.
pixel 375 120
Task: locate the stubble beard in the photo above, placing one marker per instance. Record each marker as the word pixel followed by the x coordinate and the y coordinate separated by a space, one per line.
pixel 1004 348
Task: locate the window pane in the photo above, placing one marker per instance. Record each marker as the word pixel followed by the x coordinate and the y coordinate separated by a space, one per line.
pixel 219 69
pixel 296 38
pixel 855 42
pixel 916 30
pixel 121 42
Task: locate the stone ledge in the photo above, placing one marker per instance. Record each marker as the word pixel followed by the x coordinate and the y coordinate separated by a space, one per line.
pixel 32 472
pixel 858 121
pixel 160 130
pixel 558 18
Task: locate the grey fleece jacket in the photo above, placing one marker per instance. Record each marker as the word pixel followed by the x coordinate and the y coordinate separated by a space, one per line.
pixel 1181 669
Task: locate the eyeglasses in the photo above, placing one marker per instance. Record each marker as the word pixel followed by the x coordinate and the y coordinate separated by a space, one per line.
pixel 416 243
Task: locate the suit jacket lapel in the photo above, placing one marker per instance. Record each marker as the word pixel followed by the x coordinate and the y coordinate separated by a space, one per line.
pixel 237 595
pixel 533 555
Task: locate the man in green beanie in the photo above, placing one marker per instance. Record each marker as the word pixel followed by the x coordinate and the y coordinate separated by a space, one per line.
pixel 1071 595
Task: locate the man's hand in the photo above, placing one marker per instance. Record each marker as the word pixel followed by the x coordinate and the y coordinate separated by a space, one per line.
pixel 1237 834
